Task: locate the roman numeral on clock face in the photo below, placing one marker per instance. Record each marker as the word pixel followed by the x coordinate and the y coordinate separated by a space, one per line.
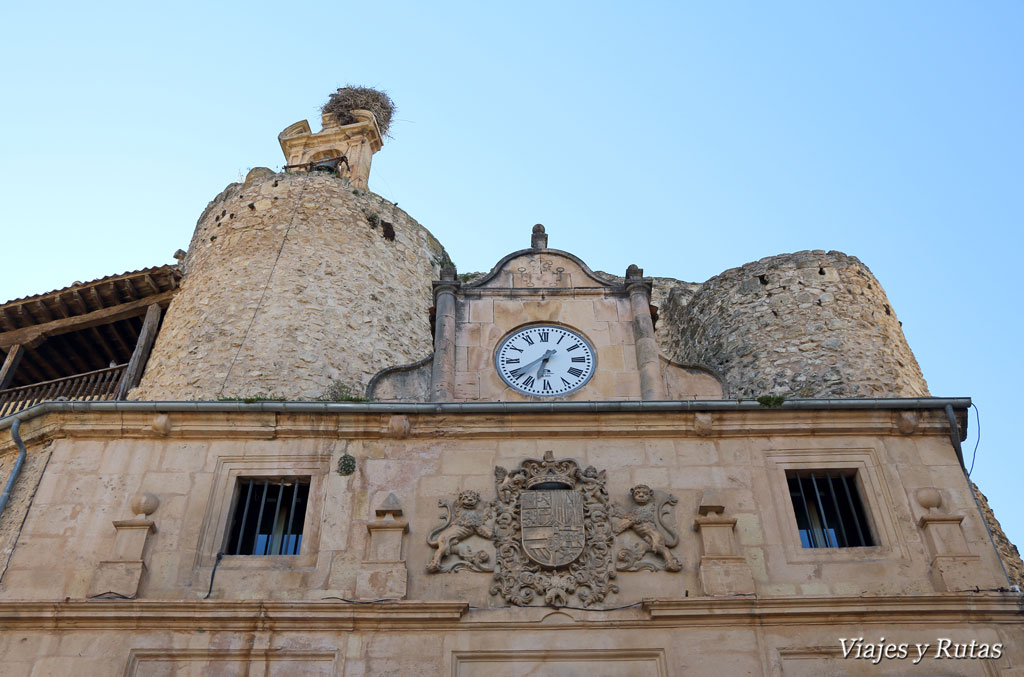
pixel 547 385
pixel 511 360
pixel 527 338
pixel 575 372
pixel 544 336
pixel 579 359
pixel 572 348
pixel 528 383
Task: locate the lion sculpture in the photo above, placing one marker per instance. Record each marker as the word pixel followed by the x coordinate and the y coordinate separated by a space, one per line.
pixel 467 517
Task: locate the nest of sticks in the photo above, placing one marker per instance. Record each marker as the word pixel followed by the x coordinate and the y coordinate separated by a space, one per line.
pixel 350 98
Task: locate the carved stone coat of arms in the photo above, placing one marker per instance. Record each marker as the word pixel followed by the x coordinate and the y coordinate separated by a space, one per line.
pixel 553 527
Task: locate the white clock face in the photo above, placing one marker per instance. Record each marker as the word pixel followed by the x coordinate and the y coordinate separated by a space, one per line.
pixel 545 360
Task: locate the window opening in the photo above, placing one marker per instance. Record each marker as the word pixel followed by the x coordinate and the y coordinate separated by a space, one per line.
pixel 268 516
pixel 829 512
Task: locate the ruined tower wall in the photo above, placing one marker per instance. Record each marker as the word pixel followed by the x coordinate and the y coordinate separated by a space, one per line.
pixel 809 324
pixel 293 282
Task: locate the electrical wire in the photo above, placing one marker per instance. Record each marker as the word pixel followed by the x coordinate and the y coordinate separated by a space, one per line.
pixel 110 594
pixel 977 420
pixel 556 608
pixel 220 556
pixel 259 304
pixel 491 608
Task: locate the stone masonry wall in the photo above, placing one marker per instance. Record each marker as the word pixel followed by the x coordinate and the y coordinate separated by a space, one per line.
pixel 809 324
pixel 1008 552
pixel 293 282
pixel 22 494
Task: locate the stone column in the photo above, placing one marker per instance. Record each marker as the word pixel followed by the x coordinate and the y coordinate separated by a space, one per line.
pixel 383 574
pixel 442 375
pixel 722 570
pixel 652 385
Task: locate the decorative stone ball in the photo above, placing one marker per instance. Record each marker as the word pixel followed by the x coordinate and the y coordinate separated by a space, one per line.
pixel 928 497
pixel 346 464
pixel 144 503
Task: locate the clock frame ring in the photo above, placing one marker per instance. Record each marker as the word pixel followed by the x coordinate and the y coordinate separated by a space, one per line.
pixel 545 359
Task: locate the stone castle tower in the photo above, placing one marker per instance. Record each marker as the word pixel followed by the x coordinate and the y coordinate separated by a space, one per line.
pixel 298 281
pixel 809 324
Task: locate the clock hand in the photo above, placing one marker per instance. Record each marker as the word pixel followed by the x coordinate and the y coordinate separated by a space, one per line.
pixel 526 367
pixel 543 365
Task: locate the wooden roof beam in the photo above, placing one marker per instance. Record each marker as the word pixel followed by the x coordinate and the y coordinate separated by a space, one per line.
pixel 129 288
pixel 125 346
pixel 80 302
pixel 108 353
pixel 133 372
pixel 151 283
pixel 62 307
pixel 58 359
pixel 97 300
pixel 44 311
pixel 10 365
pixel 27 335
pixel 38 368
pixel 30 372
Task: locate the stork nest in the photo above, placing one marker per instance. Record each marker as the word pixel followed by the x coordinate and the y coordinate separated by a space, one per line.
pixel 350 98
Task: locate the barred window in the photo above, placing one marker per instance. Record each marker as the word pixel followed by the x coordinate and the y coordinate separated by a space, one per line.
pixel 829 512
pixel 268 516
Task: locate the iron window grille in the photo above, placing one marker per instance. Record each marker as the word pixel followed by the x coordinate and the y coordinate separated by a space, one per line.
pixel 829 512
pixel 268 516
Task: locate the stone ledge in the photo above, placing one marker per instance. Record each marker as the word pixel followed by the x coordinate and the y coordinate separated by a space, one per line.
pixel 993 607
pixel 433 422
pixel 225 615
pixel 219 615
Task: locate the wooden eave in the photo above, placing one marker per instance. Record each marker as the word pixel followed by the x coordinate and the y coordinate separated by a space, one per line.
pixel 85 326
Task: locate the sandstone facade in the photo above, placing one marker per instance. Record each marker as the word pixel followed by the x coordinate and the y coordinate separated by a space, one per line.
pixel 748 598
pixel 293 282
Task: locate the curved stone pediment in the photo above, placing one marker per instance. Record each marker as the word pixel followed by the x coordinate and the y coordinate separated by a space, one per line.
pixel 540 269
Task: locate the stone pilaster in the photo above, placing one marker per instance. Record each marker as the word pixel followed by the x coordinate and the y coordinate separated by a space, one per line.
pixel 953 566
pixel 442 375
pixel 722 570
pixel 383 574
pixel 652 384
pixel 121 575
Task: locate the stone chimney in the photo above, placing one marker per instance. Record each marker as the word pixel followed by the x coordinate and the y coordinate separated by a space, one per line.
pixel 356 143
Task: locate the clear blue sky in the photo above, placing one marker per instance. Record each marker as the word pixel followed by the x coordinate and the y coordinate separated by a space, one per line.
pixel 686 138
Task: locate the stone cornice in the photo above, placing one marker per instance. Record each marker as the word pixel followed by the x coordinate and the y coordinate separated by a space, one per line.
pixel 991 607
pixel 226 615
pixel 221 615
pixel 588 420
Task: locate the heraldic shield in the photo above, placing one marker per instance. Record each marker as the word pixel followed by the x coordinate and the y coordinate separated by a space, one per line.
pixel 552 526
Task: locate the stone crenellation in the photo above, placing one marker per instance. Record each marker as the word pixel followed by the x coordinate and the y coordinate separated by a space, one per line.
pixel 808 324
pixel 292 283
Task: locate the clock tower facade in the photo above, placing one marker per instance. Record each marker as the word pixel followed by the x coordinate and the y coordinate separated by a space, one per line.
pixel 541 325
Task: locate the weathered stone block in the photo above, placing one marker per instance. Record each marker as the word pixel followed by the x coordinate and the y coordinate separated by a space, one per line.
pixel 120 578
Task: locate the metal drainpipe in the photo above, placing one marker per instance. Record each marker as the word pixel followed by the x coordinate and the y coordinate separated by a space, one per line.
pixel 22 452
